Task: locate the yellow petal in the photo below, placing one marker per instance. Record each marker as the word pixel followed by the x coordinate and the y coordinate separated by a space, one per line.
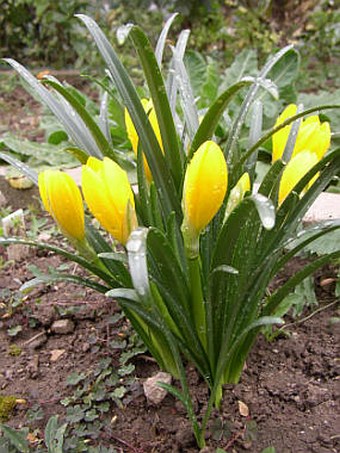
pixel 133 136
pixel 205 186
pixel 109 196
pixel 312 135
pixel 237 193
pixel 62 199
pixel 281 137
pixel 295 170
pixel 43 190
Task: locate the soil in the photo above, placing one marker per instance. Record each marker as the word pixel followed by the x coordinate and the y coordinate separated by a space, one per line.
pixel 287 397
pixel 288 387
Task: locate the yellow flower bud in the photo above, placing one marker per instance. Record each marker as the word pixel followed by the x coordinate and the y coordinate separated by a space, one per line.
pixel 205 186
pixel 62 199
pixel 133 136
pixel 312 135
pixel 109 197
pixel 237 193
pixel 295 170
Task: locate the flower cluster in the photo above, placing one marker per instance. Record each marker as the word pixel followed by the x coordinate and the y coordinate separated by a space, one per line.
pixel 110 199
pixel 312 142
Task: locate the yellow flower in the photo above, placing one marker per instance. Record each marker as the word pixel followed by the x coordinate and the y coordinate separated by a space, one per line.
pixel 62 199
pixel 312 135
pixel 133 136
pixel 295 170
pixel 237 193
pixel 109 196
pixel 205 186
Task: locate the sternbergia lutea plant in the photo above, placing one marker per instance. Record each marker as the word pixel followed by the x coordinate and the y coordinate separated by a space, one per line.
pixel 194 244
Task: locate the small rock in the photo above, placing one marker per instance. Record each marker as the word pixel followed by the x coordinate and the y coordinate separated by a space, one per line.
pixel 63 326
pixel 56 354
pixel 17 252
pixel 33 367
pixel 44 237
pixel 152 391
pixel 85 347
pixel 44 315
pixel 3 201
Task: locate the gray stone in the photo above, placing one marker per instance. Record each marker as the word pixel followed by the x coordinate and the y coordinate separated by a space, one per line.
pixel 3 201
pixel 152 391
pixel 63 326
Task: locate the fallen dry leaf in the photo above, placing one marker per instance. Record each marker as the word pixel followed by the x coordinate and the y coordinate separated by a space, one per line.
pixel 56 354
pixel 243 409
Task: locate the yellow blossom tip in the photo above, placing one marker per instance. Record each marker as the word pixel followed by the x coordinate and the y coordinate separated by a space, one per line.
pixel 205 186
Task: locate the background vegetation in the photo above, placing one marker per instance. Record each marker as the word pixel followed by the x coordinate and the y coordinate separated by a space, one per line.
pixel 44 33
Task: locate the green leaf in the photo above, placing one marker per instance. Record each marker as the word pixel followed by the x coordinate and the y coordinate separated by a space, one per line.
pixel 174 392
pixel 89 122
pixel 58 276
pixel 160 102
pixel 25 169
pixel 68 117
pixel 275 299
pixel 162 39
pixel 123 293
pixel 17 438
pixel 269 450
pixel 54 435
pixel 74 378
pixel 244 64
pixel 57 137
pixel 68 255
pixel 231 150
pixel 149 142
pixel 211 118
pixel 78 153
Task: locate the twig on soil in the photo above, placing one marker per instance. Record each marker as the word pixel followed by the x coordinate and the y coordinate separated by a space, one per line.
pixel 300 321
pixel 123 442
pixel 38 335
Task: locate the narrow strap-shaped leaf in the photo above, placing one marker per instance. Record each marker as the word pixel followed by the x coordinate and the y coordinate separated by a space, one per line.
pixel 160 101
pixel 104 117
pixel 116 268
pixel 59 276
pixel 254 134
pixel 78 154
pixel 291 140
pixel 187 98
pixel 271 180
pixel 157 220
pixel 276 298
pixel 171 82
pixel 143 207
pixel 23 168
pixel 123 293
pixel 70 120
pixel 279 264
pixel 149 142
pixel 231 151
pixel 212 117
pixel 93 127
pixel 162 39
pixel 68 255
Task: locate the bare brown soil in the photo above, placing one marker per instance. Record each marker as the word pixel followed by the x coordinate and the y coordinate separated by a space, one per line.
pixel 289 385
